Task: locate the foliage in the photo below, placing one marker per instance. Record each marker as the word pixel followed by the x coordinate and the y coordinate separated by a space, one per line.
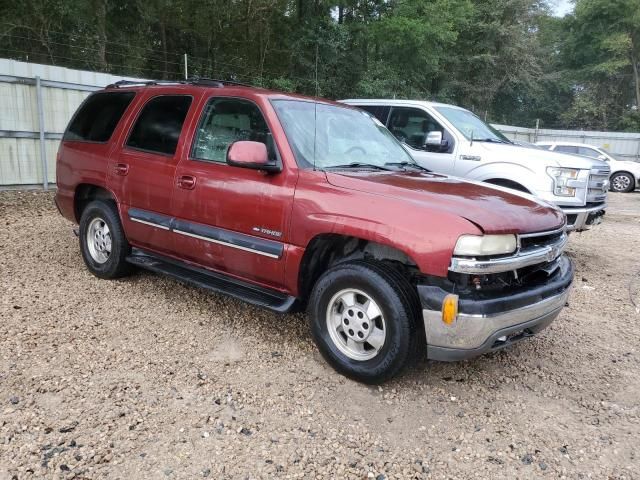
pixel 508 60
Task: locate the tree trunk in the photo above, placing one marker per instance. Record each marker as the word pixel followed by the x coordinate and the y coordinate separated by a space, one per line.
pixel 163 34
pixel 100 8
pixel 635 59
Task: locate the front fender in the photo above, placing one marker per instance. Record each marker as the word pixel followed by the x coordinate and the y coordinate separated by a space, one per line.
pixel 425 236
pixel 534 180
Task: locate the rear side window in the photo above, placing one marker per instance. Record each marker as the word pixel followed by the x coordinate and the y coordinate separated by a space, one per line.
pixel 159 124
pixel 98 117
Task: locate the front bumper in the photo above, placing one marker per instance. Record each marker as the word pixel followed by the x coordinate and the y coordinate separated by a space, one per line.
pixel 486 323
pixel 583 218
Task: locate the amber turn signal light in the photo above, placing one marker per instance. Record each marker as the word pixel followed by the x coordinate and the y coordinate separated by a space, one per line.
pixel 450 309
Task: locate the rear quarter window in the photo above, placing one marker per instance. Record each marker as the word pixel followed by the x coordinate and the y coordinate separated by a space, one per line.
pixel 98 116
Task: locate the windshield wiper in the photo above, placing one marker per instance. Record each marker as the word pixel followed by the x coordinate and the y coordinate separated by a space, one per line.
pixel 490 140
pixel 359 165
pixel 409 164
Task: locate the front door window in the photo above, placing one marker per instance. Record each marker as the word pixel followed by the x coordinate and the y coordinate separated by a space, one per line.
pixel 412 125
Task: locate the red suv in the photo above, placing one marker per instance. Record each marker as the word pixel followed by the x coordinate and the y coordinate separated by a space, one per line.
pixel 289 202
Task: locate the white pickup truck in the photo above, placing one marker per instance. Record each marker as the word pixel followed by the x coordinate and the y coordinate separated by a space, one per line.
pixel 451 140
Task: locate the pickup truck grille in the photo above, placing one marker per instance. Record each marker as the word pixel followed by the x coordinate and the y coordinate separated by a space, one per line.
pixel 598 184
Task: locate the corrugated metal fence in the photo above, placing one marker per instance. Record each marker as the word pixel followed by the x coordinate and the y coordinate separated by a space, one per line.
pixel 622 145
pixel 36 103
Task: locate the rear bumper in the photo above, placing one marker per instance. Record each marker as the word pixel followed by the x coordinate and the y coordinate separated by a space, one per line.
pixel 488 324
pixel 579 219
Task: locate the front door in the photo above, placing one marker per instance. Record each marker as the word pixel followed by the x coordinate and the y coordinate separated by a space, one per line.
pixel 229 218
pixel 142 172
pixel 411 126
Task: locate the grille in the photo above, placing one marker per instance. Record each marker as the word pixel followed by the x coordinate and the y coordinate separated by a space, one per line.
pixel 537 240
pixel 598 184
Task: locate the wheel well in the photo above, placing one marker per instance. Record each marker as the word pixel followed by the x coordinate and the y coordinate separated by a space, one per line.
pixel 327 250
pixel 623 171
pixel 503 182
pixel 86 193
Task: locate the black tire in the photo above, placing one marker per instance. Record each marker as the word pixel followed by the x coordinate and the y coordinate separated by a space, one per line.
pixel 631 186
pixel 399 304
pixel 115 265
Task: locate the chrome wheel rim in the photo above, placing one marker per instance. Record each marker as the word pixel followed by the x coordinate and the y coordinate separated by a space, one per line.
pixel 356 324
pixel 621 182
pixel 99 240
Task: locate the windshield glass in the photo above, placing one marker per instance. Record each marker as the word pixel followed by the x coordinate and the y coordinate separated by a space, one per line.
pixel 466 122
pixel 334 136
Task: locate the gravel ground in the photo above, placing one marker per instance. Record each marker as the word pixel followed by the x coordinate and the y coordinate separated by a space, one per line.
pixel 147 378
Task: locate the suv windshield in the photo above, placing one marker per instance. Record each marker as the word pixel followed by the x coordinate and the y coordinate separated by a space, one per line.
pixel 327 136
pixel 468 123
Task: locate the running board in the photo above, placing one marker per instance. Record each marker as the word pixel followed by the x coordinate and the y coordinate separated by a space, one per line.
pixel 216 282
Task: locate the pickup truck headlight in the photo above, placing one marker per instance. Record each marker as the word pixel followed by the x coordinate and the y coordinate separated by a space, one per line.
pixel 562 179
pixel 478 245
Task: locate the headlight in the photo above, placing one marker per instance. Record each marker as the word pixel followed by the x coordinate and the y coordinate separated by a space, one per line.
pixel 477 245
pixel 561 180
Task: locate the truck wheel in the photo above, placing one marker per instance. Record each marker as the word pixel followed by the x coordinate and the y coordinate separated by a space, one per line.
pixel 363 317
pixel 102 242
pixel 623 182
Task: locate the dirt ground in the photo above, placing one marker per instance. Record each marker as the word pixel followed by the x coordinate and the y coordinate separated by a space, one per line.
pixel 148 378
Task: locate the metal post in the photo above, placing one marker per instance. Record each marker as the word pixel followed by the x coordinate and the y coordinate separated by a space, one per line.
pixel 43 149
pixel 535 135
pixel 186 75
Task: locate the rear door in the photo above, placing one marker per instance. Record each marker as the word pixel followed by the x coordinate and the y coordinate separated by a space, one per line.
pixel 142 171
pixel 229 218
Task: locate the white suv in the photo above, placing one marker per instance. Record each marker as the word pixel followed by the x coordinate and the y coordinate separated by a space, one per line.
pixel 625 175
pixel 451 140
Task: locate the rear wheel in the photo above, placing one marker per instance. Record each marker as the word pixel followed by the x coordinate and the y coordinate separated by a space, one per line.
pixel 623 182
pixel 363 317
pixel 102 242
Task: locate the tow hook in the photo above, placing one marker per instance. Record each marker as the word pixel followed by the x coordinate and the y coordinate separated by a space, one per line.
pixel 76 231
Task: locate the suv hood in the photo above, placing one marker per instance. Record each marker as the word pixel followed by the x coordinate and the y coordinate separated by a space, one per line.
pixel 493 210
pixel 503 151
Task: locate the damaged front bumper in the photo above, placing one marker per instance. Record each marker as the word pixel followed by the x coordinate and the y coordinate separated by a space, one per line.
pixel 487 322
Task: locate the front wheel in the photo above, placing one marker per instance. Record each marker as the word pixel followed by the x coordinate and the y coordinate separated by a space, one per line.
pixel 363 317
pixel 623 182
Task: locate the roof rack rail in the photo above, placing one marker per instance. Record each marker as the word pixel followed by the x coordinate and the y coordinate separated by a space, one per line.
pixel 205 82
pixel 146 83
pixel 216 82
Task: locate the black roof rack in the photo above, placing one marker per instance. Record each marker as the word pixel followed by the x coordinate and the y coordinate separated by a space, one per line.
pixel 126 83
pixel 205 82
pixel 216 82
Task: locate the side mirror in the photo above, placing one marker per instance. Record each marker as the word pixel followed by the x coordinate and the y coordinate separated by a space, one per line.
pixel 434 139
pixel 603 158
pixel 247 154
pixel 435 143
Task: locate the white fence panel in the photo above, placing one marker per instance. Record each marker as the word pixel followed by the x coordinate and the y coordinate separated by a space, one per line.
pixel 62 91
pixel 623 145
